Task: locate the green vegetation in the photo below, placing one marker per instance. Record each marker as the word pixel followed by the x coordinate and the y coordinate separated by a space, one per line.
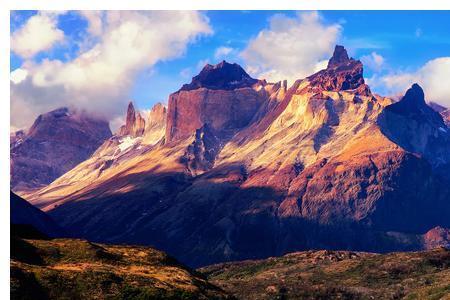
pixel 77 269
pixel 338 275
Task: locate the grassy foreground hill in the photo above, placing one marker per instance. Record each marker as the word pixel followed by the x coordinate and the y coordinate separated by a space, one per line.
pixel 338 275
pixel 77 269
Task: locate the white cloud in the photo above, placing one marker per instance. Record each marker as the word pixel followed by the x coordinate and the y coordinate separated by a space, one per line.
pixel 223 52
pixel 39 33
pixel 433 77
pixel 115 123
pixel 373 61
pixel 99 79
pixel 321 65
pixel 18 75
pixel 291 48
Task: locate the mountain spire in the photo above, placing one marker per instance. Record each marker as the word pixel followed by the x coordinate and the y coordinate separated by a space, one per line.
pixel 134 124
pixel 339 56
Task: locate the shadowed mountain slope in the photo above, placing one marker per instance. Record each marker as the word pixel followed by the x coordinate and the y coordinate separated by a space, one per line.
pixel 25 217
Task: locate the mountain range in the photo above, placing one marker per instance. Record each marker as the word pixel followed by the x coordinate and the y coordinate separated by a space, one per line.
pixel 240 168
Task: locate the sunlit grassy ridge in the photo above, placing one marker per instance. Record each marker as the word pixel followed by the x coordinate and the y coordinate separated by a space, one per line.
pixel 77 269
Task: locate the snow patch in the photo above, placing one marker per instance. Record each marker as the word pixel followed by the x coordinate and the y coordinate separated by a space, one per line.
pixel 127 142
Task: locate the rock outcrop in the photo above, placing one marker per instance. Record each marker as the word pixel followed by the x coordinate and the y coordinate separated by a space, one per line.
pixel 437 237
pixel 56 142
pixel 200 155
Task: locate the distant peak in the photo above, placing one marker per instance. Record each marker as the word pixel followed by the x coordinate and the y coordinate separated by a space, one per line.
pixel 413 105
pixel 414 95
pixel 223 75
pixel 340 56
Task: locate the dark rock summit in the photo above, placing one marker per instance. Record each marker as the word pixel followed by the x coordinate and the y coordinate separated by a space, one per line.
pixel 413 105
pixel 339 57
pixel 223 76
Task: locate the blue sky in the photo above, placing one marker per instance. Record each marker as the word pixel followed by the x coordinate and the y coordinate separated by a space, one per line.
pixel 396 44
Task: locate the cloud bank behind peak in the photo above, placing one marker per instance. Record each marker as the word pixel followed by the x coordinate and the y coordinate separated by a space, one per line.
pixel 99 78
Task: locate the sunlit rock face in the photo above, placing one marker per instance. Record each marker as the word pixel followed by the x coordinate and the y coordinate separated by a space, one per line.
pixel 134 124
pixel 223 96
pixel 250 169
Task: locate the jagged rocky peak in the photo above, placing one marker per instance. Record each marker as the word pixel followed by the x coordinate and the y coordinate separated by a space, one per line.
pixel 47 118
pixel 223 76
pixel 157 115
pixel 342 73
pixel 339 57
pixel 134 124
pixel 413 105
pixel 56 142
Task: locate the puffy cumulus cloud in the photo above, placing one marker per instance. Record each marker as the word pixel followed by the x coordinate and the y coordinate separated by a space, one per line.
pixel 433 77
pixel 18 75
pixel 39 33
pixel 373 61
pixel 99 79
pixel 291 48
